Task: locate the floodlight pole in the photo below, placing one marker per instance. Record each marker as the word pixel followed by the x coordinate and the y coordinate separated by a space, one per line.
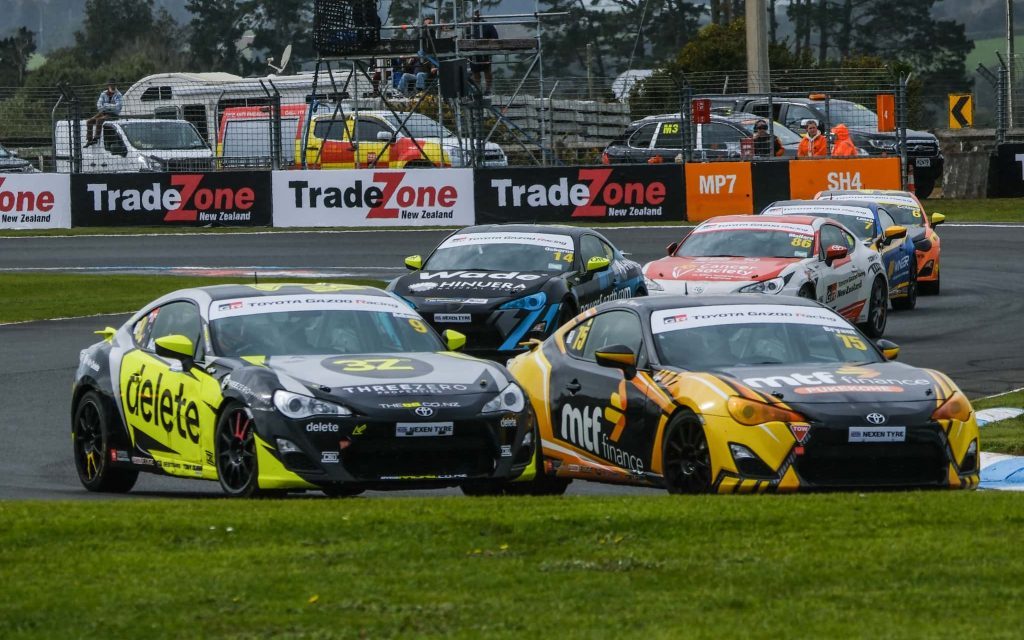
pixel 757 46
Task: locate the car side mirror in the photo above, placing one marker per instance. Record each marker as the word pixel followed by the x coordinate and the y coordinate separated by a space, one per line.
pixel 890 349
pixel 835 252
pixel 937 219
pixel 895 232
pixel 453 339
pixel 671 249
pixel 414 263
pixel 597 263
pixel 176 347
pixel 617 356
pixel 384 136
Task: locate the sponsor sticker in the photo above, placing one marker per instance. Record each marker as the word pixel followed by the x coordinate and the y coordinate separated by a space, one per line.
pixel 308 302
pixel 424 429
pixel 330 457
pixel 878 434
pixel 547 240
pixel 812 210
pixel 453 317
pixel 753 225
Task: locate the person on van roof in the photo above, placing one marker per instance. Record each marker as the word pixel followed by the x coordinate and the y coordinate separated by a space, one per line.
pixel 108 106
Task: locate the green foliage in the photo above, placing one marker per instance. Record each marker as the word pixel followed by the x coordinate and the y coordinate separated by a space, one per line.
pixel 15 52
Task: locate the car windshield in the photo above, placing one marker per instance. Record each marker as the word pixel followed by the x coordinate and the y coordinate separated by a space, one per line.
pixel 504 252
pixel 905 214
pixel 750 241
pixel 850 113
pixel 172 134
pixel 317 325
pixel 418 126
pixel 860 222
pixel 720 336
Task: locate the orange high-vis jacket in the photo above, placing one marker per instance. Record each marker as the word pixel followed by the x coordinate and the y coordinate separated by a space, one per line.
pixel 810 148
pixel 843 146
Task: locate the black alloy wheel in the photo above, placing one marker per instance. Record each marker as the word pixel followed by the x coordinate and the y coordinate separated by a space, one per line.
pixel 806 291
pixel 877 310
pixel 686 459
pixel 90 433
pixel 235 445
pixel 909 301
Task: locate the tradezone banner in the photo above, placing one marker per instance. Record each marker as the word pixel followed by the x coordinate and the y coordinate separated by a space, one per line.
pixel 229 198
pixel 35 201
pixel 373 198
pixel 617 193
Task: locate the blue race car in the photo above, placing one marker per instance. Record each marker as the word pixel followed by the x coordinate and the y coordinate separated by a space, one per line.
pixel 870 223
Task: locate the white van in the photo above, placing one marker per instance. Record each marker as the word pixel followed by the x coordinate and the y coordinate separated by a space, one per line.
pixel 135 145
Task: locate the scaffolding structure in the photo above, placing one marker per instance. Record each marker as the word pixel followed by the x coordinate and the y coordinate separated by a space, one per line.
pixel 350 46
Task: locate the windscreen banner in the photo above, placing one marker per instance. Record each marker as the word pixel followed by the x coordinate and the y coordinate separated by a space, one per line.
pixel 35 201
pixel 619 193
pixel 227 199
pixel 373 198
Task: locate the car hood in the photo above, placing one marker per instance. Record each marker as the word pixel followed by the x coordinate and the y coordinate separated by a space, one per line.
pixel 469 287
pixel 816 384
pixel 717 269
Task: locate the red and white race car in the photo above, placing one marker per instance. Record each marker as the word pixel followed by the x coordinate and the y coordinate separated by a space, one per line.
pixel 802 256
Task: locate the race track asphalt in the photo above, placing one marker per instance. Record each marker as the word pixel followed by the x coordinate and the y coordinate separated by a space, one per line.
pixel 973 331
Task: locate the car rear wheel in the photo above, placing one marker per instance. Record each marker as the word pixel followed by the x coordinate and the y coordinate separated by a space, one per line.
pixel 686 459
pixel 874 327
pixel 909 301
pixel 931 288
pixel 90 434
pixel 235 445
pixel 806 291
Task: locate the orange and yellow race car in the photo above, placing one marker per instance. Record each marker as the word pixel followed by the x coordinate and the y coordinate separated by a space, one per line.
pixel 908 211
pixel 741 394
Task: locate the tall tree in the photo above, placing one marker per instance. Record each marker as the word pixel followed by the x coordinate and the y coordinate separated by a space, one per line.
pixel 214 31
pixel 109 24
pixel 14 54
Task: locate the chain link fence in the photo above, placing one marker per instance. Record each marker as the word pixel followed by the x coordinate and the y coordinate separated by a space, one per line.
pixel 394 114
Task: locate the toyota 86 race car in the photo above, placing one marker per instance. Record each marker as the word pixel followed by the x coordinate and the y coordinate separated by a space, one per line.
pixel 872 224
pixel 741 394
pixel 908 211
pixel 808 257
pixel 289 387
pixel 503 284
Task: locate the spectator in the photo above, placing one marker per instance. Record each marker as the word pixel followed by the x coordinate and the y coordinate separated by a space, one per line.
pixel 814 144
pixel 843 145
pixel 763 141
pixel 108 106
pixel 480 29
pixel 416 70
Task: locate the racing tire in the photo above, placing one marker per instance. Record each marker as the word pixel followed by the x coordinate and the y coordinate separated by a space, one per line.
pixel 932 287
pixel 909 301
pixel 878 305
pixel 685 457
pixel 90 435
pixel 566 313
pixel 234 444
pixel 806 291
pixel 341 490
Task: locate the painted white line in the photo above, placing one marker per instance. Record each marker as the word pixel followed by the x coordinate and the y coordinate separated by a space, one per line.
pixel 95 315
pixel 1004 393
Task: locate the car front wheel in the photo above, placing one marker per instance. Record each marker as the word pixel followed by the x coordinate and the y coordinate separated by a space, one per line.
pixel 878 305
pixel 235 444
pixel 686 458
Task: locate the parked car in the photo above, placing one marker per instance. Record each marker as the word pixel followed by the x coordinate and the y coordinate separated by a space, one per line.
pixel 345 139
pixel 145 144
pixel 11 163
pixel 661 136
pixel 922 147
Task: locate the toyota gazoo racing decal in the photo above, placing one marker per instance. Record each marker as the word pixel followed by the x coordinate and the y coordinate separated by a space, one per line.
pixel 230 198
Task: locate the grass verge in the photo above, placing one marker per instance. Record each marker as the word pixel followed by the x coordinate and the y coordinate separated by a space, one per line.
pixel 901 565
pixel 990 210
pixel 37 296
pixel 1005 436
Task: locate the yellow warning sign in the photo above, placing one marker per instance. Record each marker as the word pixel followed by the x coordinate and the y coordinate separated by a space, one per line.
pixel 961 110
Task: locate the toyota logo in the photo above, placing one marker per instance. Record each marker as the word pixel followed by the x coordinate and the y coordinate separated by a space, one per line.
pixel 426 412
pixel 875 418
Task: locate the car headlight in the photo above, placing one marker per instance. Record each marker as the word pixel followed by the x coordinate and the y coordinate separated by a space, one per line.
pixel 956 407
pixel 883 145
pixel 510 399
pixel 295 405
pixel 774 285
pixel 652 285
pixel 150 163
pixel 530 303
